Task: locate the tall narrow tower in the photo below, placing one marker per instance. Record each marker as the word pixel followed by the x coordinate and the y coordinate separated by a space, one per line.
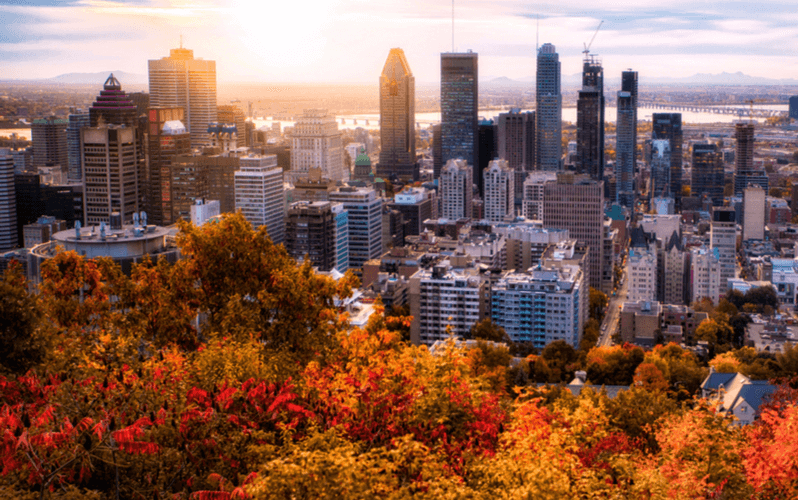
pixel 626 139
pixel 398 145
pixel 746 173
pixel 548 109
pixel 459 101
pixel 591 120
pixel 668 126
pixel 180 80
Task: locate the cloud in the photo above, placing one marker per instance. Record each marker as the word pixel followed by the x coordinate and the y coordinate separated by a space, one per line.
pixel 348 40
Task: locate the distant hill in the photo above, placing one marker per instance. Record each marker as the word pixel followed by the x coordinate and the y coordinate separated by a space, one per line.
pixel 613 81
pixel 98 78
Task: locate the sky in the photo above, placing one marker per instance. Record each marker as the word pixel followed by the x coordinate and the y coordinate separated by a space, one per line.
pixel 349 40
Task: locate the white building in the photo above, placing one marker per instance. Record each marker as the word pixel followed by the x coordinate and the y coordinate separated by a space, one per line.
pixel 317 143
pixel 259 195
pixel 754 208
pixel 203 210
pixel 498 189
pixel 364 223
pixel 8 203
pixel 533 194
pixel 543 305
pixel 784 278
pixel 455 190
pixel 705 274
pixel 642 274
pixel 723 239
pixel 445 296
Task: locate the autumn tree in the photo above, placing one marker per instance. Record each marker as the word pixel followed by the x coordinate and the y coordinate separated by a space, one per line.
pixel 613 365
pixel 598 301
pixel 560 357
pixel 21 345
pixel 487 330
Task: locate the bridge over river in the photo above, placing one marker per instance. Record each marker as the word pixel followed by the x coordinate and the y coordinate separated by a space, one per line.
pixel 743 111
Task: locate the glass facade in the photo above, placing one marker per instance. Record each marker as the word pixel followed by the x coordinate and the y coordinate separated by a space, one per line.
pixel 459 102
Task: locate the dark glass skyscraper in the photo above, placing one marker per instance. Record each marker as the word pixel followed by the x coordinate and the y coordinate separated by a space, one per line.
pixel 746 172
pixel 398 146
pixel 548 109
pixel 591 120
pixel 626 149
pixel 459 102
pixel 708 175
pixel 668 126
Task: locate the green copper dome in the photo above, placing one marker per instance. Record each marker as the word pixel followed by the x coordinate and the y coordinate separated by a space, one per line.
pixel 362 160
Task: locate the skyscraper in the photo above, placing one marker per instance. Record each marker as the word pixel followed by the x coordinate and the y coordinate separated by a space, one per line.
pixel 317 143
pixel 575 203
pixel 498 182
pixel 364 220
pixel 660 159
pixel 180 80
pixel 516 143
pixel 167 138
pixel 77 121
pixel 259 194
pixel 113 106
pixel 630 83
pixel 8 202
pixel 626 148
pixel 548 109
pixel 746 173
pixel 668 126
pixel 591 120
pixel 111 177
pixel 708 175
pixel 398 135
pixel 311 233
pixel 487 147
pixel 49 138
pixel 459 102
pixel 723 241
pixel 455 190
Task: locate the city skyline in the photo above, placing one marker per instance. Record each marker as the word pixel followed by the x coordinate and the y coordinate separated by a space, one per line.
pixel 44 38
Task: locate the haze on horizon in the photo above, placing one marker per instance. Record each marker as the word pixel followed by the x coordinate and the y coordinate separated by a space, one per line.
pixel 348 40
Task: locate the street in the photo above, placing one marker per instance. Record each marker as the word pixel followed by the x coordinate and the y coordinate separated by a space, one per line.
pixel 611 320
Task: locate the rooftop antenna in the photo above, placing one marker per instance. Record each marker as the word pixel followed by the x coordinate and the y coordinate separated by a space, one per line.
pixel 453 27
pixel 587 47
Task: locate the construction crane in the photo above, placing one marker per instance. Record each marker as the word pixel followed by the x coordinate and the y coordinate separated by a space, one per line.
pixel 587 47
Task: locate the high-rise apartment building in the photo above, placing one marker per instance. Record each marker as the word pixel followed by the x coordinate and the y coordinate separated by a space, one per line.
pixel 591 120
pixel 708 175
pixel 575 203
pixel 642 273
pixel 398 135
pixel 545 304
pixel 746 173
pixel 675 271
pixel 364 221
pixel 668 126
pixel 446 298
pixel 498 183
pixel 8 202
pixel 311 233
pixel 548 109
pixel 459 103
pixel 626 148
pixel 705 280
pixel 723 241
pixel 317 143
pixel 167 138
pixel 180 80
pixel 112 178
pixel 341 219
pixel 49 139
pixel 259 194
pixel 630 84
pixel 516 143
pixel 76 121
pixel 754 205
pixel 533 194
pixel 455 190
